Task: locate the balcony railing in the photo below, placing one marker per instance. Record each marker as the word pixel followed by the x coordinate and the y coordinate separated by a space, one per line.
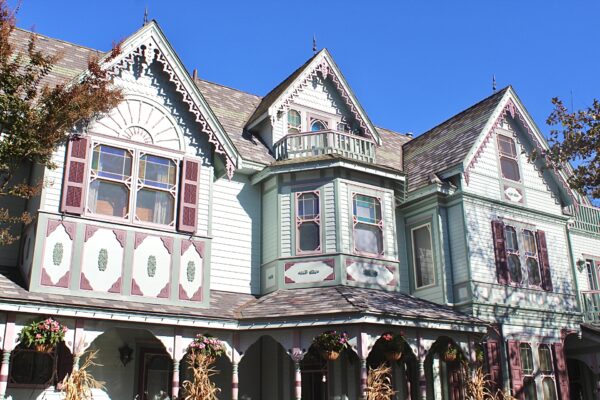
pixel 587 219
pixel 325 142
pixel 590 300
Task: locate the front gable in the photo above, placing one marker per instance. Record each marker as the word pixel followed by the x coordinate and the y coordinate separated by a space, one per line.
pixel 511 123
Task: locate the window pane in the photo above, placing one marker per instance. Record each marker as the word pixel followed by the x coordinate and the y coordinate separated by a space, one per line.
pixel 529 243
pixel 511 239
pixel 308 206
pixel 108 198
pixel 514 268
pixel 367 209
pixel 111 162
pixel 368 238
pixel 545 359
pixel 423 256
pixel 529 389
pixel 506 146
pixel 157 172
pixel 318 126
pixel 510 169
pixel 155 206
pixel 526 359
pixel 309 236
pixel 294 121
pixel 533 272
pixel 549 389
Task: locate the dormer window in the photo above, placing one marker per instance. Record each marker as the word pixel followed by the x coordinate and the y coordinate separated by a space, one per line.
pixel 509 163
pixel 317 125
pixel 294 121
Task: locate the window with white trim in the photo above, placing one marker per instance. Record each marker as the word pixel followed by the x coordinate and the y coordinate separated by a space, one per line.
pixel 368 224
pixel 294 121
pixel 512 254
pixel 308 222
pixel 522 256
pixel 132 185
pixel 422 250
pixel 509 158
pixel 529 390
pixel 532 264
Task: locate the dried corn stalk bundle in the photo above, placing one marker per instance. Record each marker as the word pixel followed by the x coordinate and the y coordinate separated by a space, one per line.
pixel 379 383
pixel 200 386
pixel 78 384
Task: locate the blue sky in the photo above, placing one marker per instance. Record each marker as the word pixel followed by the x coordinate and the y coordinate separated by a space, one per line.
pixel 412 64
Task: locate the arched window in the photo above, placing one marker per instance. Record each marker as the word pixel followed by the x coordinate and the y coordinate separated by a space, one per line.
pixel 317 125
pixel 294 121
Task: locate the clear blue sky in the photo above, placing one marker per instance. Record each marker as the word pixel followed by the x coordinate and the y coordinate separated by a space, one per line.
pixel 412 64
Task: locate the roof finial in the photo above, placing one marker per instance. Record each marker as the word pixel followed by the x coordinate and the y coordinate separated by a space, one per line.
pixel 145 16
pixel 314 44
pixel 494 83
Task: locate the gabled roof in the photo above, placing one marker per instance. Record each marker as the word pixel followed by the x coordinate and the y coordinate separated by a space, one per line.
pixel 322 62
pixel 449 143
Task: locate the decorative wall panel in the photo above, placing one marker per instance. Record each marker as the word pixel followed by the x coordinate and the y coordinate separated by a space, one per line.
pixel 310 271
pixel 57 255
pixel 191 270
pixel 151 274
pixel 369 273
pixel 102 262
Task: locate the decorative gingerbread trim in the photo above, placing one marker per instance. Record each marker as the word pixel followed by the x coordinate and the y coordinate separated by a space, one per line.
pixel 197 296
pixel 89 232
pixel 168 243
pixel 164 293
pixel 116 287
pixel 63 282
pixel 52 225
pixel 148 53
pixel 121 237
pixel 135 288
pixel 139 238
pixel 84 283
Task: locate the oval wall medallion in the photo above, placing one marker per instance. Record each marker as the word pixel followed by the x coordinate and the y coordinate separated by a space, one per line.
pixel 57 254
pixel 102 260
pixel 191 271
pixel 151 266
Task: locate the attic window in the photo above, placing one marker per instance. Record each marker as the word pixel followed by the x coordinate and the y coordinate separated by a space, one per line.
pixel 317 125
pixel 294 121
pixel 508 158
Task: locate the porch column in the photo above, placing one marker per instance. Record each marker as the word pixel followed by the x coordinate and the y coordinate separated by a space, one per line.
pixel 4 372
pixel 235 382
pixel 422 381
pixel 297 380
pixel 175 381
pixel 363 377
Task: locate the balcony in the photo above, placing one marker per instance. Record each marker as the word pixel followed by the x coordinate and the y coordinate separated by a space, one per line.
pixel 586 219
pixel 310 144
pixel 590 302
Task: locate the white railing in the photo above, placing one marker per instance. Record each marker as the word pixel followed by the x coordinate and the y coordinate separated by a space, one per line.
pixel 587 219
pixel 590 302
pixel 325 142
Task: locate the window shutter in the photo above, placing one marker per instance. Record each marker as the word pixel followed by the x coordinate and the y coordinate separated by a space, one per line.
pixel 516 372
pixel 74 183
pixel 494 364
pixel 500 252
pixel 544 264
pixel 188 195
pixel 560 371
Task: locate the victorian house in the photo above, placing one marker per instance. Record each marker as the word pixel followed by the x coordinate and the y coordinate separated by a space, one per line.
pixel 265 221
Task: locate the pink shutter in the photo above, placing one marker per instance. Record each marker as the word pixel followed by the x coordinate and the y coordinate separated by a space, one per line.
pixel 560 371
pixel 188 195
pixel 516 372
pixel 74 183
pixel 500 252
pixel 494 364
pixel 544 263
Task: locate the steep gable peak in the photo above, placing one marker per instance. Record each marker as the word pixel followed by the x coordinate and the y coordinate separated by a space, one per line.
pixel 321 65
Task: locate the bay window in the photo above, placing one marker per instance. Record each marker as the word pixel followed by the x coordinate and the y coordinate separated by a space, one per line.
pixel 368 225
pixel 422 250
pixel 308 222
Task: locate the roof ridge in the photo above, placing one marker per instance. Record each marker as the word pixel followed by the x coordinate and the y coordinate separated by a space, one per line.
pixel 227 87
pixel 59 40
pixel 417 139
pixel 391 130
pixel 347 298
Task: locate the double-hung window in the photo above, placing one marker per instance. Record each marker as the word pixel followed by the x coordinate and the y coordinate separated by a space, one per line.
pixel 512 254
pixel 308 222
pixel 509 163
pixel 368 224
pixel 422 250
pixel 532 264
pixel 529 391
pixel 547 372
pixel 132 185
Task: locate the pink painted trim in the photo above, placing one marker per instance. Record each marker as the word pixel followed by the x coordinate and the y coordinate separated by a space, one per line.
pixel 393 282
pixel 135 288
pixel 289 280
pixel 52 225
pixel 197 296
pixel 116 287
pixel 70 229
pixel 121 237
pixel 89 231
pixel 349 277
pixel 84 283
pixel 47 281
pixel 330 277
pixel 330 262
pixel 164 293
pixel 199 248
pixel 289 265
pixel 168 243
pixel 64 281
pixel 391 268
pixel 139 238
pixel 9 334
pixel 185 244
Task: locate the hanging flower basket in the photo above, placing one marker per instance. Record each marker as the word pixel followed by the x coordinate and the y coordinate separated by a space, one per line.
pixel 207 346
pixel 43 336
pixel 330 344
pixel 392 345
pixel 450 354
pixel 479 355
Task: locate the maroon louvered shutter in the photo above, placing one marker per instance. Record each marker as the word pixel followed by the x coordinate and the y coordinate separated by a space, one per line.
pixel 500 252
pixel 188 195
pixel 544 263
pixel 74 184
pixel 560 371
pixel 494 364
pixel 516 372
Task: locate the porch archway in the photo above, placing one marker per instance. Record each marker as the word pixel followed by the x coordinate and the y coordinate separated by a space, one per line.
pixel 445 377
